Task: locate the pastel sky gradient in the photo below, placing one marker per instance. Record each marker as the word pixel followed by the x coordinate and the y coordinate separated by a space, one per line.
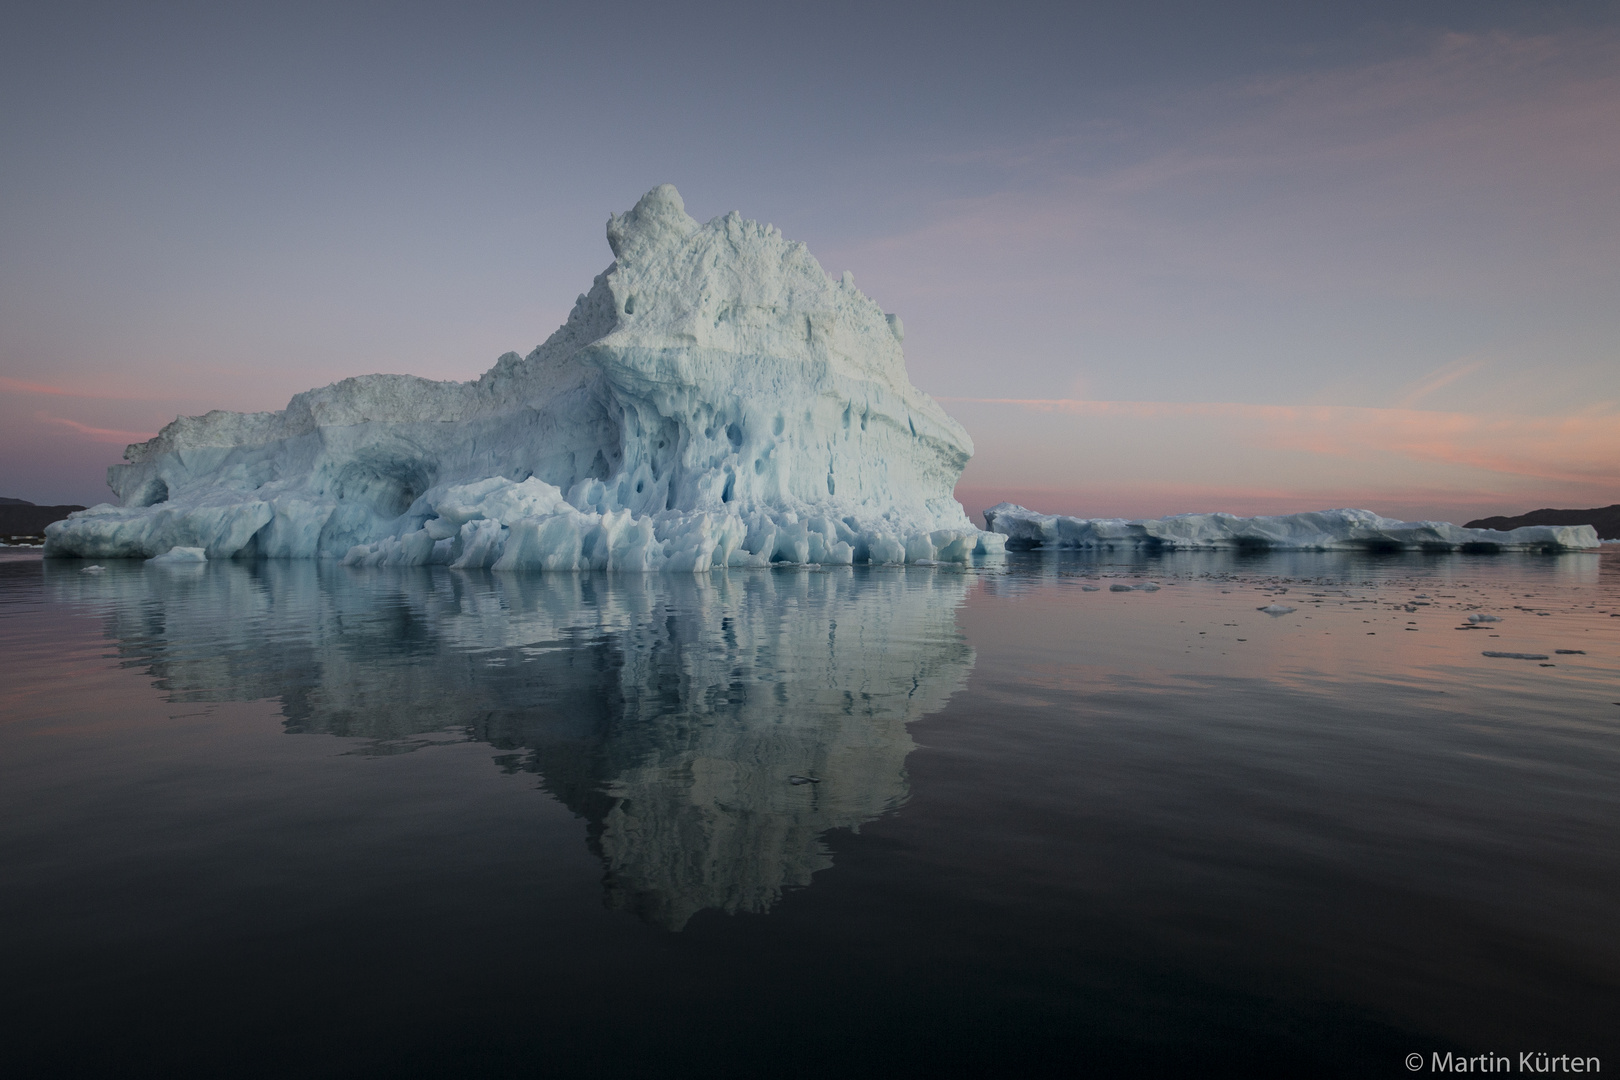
pixel 1258 257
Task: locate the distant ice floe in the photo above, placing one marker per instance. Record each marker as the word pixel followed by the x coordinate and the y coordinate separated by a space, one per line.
pixel 714 400
pixel 1326 530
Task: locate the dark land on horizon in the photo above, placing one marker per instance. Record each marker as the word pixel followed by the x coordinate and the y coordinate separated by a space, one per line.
pixel 19 517
pixel 1605 519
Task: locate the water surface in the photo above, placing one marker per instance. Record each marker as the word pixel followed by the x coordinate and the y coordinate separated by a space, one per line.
pixel 295 819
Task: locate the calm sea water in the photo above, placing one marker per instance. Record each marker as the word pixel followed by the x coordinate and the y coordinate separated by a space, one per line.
pixel 297 820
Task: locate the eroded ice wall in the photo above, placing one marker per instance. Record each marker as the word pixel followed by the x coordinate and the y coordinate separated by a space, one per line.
pixel 715 399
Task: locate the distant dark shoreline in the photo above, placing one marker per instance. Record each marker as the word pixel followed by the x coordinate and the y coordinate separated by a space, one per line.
pixel 1606 520
pixel 19 518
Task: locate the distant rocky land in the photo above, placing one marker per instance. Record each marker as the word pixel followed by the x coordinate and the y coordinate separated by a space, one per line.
pixel 19 517
pixel 1605 519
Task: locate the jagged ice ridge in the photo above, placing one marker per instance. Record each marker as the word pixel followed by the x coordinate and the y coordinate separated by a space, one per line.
pixel 1326 530
pixel 714 400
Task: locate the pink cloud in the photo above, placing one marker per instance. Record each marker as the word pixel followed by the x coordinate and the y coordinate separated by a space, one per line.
pixel 1515 137
pixel 1582 448
pixel 101 435
pixel 23 386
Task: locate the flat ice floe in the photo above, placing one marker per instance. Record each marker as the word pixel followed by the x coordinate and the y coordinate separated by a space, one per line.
pixel 1326 530
pixel 714 400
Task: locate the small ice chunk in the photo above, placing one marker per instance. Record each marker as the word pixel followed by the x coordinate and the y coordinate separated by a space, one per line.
pixel 1091 588
pixel 1117 587
pixel 1484 618
pixel 1277 609
pixel 92 569
pixel 796 781
pixel 180 556
pixel 1148 587
pixel 1570 652
pixel 1515 655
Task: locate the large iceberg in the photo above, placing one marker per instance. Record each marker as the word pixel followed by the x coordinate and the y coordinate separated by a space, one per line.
pixel 1326 530
pixel 714 400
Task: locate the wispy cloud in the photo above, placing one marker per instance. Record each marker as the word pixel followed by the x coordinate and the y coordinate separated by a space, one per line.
pixel 99 393
pixel 1581 448
pixel 101 435
pixel 1444 377
pixel 1352 222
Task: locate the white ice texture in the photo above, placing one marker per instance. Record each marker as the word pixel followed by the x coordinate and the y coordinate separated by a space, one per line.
pixel 714 400
pixel 1326 530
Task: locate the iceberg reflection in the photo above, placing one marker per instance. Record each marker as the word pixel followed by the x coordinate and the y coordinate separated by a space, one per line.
pixel 710 729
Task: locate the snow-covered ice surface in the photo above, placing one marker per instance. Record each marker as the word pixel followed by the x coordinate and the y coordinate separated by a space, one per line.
pixel 714 400
pixel 1327 530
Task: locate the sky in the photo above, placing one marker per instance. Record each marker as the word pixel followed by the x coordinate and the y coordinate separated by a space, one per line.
pixel 1156 257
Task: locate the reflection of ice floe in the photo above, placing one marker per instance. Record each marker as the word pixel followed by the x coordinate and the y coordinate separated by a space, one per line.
pixel 1327 530
pixel 674 713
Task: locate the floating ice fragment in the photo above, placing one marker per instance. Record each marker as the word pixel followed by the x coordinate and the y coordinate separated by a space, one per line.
pixel 1570 652
pixel 1515 655
pixel 796 781
pixel 1484 618
pixel 92 570
pixel 1277 609
pixel 1117 587
pixel 180 556
pixel 1091 588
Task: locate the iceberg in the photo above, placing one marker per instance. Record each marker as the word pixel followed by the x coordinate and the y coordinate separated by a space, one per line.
pixel 1326 530
pixel 715 399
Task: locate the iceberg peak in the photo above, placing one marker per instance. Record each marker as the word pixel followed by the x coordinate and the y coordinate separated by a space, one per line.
pixel 658 219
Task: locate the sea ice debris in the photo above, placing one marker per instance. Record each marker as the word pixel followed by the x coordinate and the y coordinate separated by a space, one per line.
pixel 1515 655
pixel 1277 609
